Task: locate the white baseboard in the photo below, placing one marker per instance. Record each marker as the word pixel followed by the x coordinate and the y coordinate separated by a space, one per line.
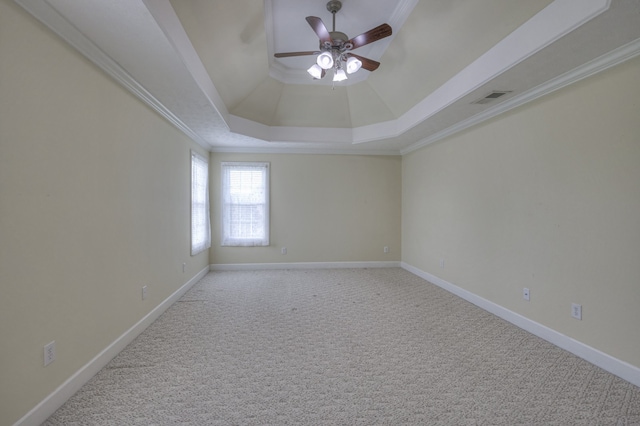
pixel 301 265
pixel 59 396
pixel 613 365
pixel 55 399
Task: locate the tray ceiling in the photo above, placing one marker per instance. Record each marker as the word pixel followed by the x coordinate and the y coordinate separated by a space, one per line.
pixel 208 66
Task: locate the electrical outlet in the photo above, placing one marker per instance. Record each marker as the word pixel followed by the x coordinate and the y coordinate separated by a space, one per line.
pixel 283 250
pixel 49 353
pixel 144 292
pixel 442 263
pixel 184 267
pixel 386 249
pixel 525 294
pixel 576 311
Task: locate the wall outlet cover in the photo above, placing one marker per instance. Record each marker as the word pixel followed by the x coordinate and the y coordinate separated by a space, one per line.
pixel 49 353
pixel 576 311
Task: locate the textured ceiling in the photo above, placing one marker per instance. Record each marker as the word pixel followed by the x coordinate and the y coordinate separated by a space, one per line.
pixel 208 66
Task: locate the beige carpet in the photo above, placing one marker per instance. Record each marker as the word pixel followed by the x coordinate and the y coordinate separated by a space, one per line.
pixel 342 347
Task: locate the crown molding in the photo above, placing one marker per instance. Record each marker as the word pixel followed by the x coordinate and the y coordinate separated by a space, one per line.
pixel 552 23
pixel 323 151
pixel 277 134
pixel 604 62
pixel 170 24
pixel 50 17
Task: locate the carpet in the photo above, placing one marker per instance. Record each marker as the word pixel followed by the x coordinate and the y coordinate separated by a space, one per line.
pixel 342 347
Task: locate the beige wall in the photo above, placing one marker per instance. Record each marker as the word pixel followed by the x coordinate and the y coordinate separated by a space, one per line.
pixel 324 208
pixel 545 197
pixel 94 204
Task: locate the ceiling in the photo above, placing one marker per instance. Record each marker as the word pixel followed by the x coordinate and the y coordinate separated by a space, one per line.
pixel 208 66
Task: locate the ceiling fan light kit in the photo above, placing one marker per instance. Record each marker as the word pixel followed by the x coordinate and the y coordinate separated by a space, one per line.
pixel 315 71
pixel 339 75
pixel 325 60
pixel 353 64
pixel 335 47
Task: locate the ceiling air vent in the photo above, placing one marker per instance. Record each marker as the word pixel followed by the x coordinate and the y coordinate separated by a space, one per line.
pixel 491 97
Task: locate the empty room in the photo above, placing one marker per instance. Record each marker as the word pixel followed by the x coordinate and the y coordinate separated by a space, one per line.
pixel 319 212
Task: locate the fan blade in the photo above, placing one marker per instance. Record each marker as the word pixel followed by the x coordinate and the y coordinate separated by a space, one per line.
pixel 370 36
pixel 287 54
pixel 318 27
pixel 367 64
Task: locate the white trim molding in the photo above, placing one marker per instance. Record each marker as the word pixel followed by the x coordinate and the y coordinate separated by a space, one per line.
pixel 59 24
pixel 58 397
pixel 301 265
pixel 170 61
pixel 608 363
pixel 307 150
pixel 552 23
pixel 602 63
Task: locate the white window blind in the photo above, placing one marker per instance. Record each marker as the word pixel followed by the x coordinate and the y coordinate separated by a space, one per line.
pixel 200 222
pixel 245 204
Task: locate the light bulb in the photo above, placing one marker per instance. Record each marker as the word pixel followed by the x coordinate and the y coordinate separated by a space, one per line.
pixel 353 64
pixel 325 60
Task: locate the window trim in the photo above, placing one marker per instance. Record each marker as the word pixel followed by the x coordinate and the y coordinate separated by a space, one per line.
pixel 235 242
pixel 206 243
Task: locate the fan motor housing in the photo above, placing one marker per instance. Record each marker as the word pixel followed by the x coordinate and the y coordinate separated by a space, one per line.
pixel 337 35
pixel 338 42
pixel 338 45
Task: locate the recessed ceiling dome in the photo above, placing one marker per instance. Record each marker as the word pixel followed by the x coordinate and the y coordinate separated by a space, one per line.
pixel 212 72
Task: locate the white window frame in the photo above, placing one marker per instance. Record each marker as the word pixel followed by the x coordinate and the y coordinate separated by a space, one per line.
pixel 227 203
pixel 200 216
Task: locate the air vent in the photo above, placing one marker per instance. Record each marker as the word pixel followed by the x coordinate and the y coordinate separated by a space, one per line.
pixel 491 96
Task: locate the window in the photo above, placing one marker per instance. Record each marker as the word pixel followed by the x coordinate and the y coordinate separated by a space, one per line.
pixel 245 204
pixel 200 224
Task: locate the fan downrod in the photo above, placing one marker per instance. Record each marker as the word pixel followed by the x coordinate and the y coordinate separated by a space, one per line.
pixel 338 44
pixel 334 6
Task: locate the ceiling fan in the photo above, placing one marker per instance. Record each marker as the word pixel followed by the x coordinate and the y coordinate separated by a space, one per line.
pixel 336 47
